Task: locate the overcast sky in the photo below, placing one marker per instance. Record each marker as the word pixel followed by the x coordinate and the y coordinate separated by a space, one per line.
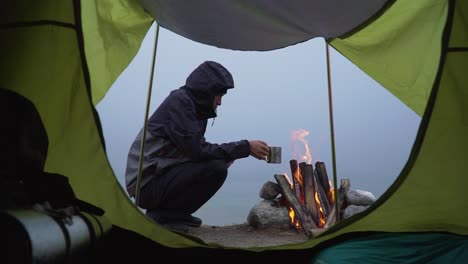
pixel 276 93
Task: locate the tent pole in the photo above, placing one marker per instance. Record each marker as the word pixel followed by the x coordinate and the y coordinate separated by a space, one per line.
pixel 148 100
pixel 332 134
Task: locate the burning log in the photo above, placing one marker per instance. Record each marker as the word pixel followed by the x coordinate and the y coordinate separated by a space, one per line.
pixel 306 221
pixel 307 173
pixel 323 197
pixel 322 175
pixel 340 197
pixel 297 186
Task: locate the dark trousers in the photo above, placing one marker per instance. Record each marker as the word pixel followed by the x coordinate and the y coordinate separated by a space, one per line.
pixel 184 188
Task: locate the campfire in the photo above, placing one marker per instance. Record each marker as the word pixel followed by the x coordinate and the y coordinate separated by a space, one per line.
pixel 285 204
pixel 310 196
pixel 311 202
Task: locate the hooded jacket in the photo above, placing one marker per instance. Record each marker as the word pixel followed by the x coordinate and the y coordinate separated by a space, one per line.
pixel 175 131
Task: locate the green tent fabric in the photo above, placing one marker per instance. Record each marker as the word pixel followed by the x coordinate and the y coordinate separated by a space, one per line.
pixel 437 164
pixel 44 50
pixel 401 50
pixel 65 55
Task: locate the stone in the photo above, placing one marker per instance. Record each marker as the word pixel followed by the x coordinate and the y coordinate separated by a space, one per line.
pixel 359 197
pixel 351 210
pixel 267 214
pixel 269 190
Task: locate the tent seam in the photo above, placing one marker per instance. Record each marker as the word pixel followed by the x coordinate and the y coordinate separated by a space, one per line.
pixel 37 23
pixel 84 65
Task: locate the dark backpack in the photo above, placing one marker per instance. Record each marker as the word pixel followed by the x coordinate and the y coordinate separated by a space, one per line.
pixel 23 152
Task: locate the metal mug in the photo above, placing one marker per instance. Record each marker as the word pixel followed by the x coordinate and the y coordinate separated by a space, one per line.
pixel 274 155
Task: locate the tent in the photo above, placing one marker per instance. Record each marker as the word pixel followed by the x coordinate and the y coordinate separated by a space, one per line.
pixel 64 55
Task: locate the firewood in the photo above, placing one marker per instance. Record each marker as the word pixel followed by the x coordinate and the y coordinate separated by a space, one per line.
pixel 322 175
pixel 307 172
pixel 340 197
pixel 305 220
pixel 297 186
pixel 322 196
pixel 317 232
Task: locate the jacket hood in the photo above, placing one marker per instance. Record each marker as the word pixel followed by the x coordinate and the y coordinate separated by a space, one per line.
pixel 204 83
pixel 210 77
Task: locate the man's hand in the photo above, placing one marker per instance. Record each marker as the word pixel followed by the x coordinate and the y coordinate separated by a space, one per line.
pixel 259 149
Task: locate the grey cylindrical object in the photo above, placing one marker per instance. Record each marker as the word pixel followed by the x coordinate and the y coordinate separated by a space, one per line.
pixel 35 237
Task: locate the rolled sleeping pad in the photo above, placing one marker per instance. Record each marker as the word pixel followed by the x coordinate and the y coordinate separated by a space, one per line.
pixel 31 236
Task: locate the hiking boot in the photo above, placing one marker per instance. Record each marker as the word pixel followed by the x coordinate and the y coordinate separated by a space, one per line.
pixel 187 220
pixel 176 227
pixel 174 218
pixel 191 220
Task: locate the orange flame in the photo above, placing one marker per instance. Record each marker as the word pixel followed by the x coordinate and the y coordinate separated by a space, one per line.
pixel 320 209
pixel 298 176
pixel 299 135
pixel 292 216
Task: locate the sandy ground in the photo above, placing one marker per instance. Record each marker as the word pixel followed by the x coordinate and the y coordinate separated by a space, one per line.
pixel 244 236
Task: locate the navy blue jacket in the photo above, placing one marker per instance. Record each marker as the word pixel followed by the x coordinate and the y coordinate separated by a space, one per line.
pixel 176 130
